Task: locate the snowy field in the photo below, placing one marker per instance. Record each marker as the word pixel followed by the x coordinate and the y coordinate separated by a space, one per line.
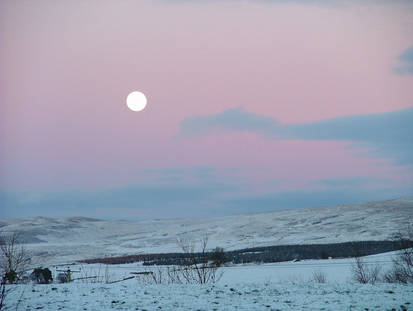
pixel 244 296
pixel 278 286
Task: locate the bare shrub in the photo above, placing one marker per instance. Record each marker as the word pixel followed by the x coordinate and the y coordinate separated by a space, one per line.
pixel 108 276
pixel 14 258
pixel 155 275
pixel 402 270
pixel 89 274
pixel 193 268
pixel 3 292
pixel 94 274
pixel 319 277
pixel 197 267
pixel 363 273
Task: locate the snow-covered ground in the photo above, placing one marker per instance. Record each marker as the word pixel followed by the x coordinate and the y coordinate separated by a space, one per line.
pixel 335 270
pixel 244 296
pixel 277 286
pixel 280 286
pixel 70 239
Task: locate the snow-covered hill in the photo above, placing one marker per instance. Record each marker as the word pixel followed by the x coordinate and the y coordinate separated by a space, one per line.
pixel 69 239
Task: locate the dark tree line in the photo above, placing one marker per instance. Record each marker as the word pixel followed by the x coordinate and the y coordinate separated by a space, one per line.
pixel 262 254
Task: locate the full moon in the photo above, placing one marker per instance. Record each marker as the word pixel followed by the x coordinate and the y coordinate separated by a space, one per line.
pixel 136 101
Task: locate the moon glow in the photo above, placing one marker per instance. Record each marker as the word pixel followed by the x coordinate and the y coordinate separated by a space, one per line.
pixel 136 101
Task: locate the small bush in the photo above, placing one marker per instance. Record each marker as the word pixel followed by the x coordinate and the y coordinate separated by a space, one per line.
pixel 196 267
pixel 62 278
pixel 41 276
pixel 319 277
pixel 364 274
pixel 402 270
pixel 218 257
pixel 10 277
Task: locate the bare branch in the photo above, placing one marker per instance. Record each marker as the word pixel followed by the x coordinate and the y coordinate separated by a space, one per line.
pixel 14 259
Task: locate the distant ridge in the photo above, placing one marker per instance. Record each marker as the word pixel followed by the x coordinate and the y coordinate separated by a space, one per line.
pixel 76 238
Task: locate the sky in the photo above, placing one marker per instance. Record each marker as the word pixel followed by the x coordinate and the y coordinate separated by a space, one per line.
pixel 252 106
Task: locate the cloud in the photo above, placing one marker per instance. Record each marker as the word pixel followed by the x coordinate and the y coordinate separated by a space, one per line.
pixel 234 119
pixel 406 58
pixel 164 200
pixel 384 134
pixel 160 193
pixel 351 182
pixel 321 3
pixel 314 198
pixel 211 197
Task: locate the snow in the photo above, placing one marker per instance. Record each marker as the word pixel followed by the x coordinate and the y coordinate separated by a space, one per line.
pixel 280 286
pixel 243 296
pixel 335 270
pixel 276 286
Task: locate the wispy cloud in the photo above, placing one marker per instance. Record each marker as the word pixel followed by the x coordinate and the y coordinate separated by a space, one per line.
pixel 314 198
pixel 172 199
pixel 406 59
pixel 233 119
pixel 384 134
pixel 186 199
pixel 325 3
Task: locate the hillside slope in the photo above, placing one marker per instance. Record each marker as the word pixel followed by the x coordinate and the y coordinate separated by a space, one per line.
pixel 69 239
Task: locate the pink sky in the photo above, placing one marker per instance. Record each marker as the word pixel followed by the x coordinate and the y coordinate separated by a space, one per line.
pixel 67 67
